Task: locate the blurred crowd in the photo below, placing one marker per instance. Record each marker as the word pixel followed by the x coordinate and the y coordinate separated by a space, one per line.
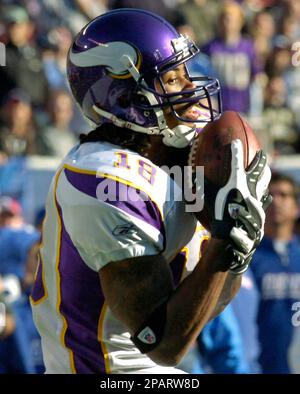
pixel 253 47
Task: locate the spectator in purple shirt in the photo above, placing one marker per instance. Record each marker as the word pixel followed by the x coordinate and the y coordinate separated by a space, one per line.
pixel 234 59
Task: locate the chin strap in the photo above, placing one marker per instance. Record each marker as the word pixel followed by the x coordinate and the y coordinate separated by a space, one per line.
pixel 125 124
pixel 178 137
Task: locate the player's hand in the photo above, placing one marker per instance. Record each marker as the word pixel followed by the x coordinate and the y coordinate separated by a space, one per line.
pixel 240 207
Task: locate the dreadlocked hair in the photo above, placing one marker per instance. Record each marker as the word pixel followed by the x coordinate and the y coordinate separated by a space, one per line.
pixel 125 138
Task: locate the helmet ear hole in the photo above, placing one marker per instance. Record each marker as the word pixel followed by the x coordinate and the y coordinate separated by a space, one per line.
pixel 139 100
pixel 124 101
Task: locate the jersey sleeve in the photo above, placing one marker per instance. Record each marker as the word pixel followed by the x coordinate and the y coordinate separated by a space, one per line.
pixel 105 227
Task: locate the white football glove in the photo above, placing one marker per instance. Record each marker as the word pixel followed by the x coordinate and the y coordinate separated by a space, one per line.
pixel 239 212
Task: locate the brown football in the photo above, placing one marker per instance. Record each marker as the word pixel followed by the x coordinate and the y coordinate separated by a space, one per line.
pixel 212 149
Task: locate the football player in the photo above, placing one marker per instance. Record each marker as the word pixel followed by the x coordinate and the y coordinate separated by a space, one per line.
pixel 105 299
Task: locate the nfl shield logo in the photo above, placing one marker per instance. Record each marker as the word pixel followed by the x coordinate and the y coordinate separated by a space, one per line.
pixel 147 336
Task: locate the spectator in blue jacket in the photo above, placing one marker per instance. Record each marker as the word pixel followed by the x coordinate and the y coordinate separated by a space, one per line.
pixel 219 348
pixel 276 269
pixel 245 306
pixel 19 352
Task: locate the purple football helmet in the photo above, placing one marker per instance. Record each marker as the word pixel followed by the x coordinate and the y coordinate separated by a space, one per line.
pixel 114 63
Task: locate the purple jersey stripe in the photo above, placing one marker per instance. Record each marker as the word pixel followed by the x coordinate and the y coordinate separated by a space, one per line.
pixel 177 266
pixel 38 290
pixel 81 304
pixel 125 197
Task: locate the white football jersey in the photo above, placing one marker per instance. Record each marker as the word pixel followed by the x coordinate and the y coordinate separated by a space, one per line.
pixel 105 204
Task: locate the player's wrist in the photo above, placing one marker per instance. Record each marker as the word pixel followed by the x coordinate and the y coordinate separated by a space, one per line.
pixel 215 253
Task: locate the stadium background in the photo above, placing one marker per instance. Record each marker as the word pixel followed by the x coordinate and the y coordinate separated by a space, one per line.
pixel 39 121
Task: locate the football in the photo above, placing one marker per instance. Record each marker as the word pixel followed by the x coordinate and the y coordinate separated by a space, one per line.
pixel 212 150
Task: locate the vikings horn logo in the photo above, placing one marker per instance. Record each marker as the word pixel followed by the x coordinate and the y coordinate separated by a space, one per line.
pixel 108 55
